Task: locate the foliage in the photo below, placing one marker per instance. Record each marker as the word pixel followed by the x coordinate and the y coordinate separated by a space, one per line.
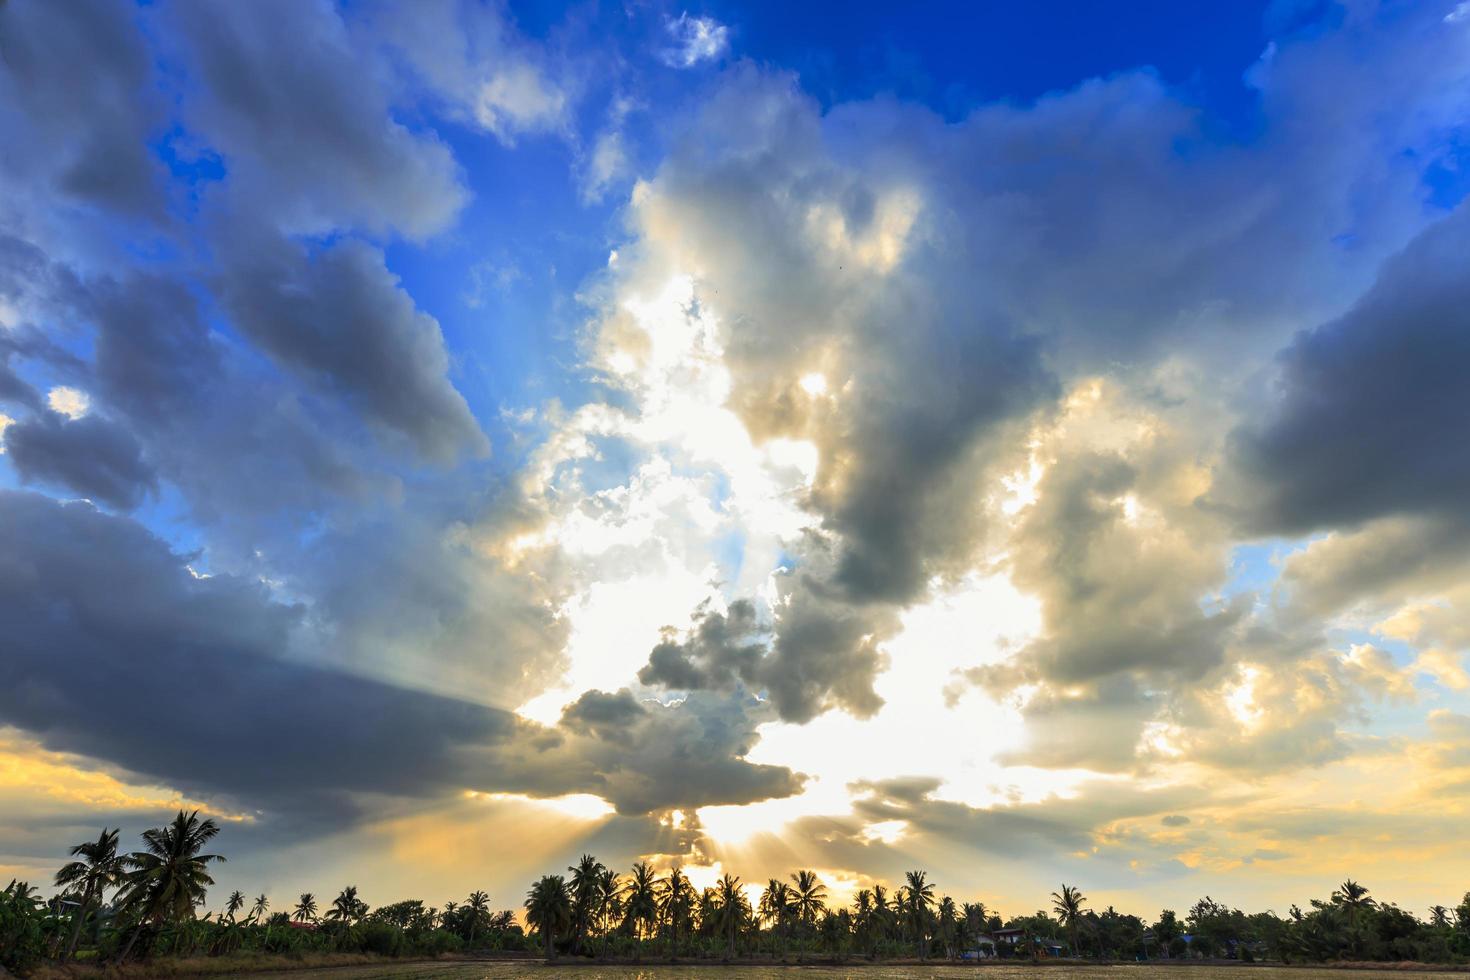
pixel 22 927
pixel 158 894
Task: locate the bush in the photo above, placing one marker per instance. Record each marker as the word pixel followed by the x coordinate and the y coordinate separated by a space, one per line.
pixel 439 942
pixel 379 937
pixel 22 936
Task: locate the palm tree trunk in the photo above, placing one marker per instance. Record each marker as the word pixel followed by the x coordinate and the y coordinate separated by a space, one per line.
pixel 76 933
pixel 123 957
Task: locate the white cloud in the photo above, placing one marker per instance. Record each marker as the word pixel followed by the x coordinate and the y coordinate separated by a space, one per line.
pixel 696 39
pixel 519 99
pixel 608 165
pixel 68 401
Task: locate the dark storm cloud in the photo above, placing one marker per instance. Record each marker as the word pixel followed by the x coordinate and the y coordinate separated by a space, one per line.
pixel 117 650
pixel 1373 408
pixel 340 317
pixel 90 457
pixel 76 105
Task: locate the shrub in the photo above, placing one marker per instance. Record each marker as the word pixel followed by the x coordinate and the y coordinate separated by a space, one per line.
pixel 22 937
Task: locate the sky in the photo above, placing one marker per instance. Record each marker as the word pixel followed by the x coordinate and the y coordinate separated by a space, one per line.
pixel 1025 442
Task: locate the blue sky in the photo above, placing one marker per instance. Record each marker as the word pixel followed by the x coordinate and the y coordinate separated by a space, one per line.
pixel 586 418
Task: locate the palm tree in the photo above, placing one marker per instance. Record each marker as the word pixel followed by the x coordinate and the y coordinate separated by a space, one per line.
pixel 346 907
pixel 733 911
pixel 479 905
pixel 882 913
pixel 775 907
pixel 676 899
pixel 1068 906
pixel 99 869
pixel 167 880
pixel 642 904
pixel 976 917
pixel 234 904
pixel 919 896
pixel 863 919
pixel 549 909
pixel 585 876
pixel 261 906
pixel 809 897
pixel 305 909
pixel 949 918
pixel 1354 898
pixel 609 903
pixel 1439 916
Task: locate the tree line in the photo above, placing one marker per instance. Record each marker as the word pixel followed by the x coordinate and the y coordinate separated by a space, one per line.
pixel 112 906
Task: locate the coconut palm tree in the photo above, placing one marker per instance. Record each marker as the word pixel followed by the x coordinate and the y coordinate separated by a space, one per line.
pixel 305 910
pixel 809 897
pixel 863 920
pixel 919 899
pixel 168 879
pixel 478 905
pixel 234 904
pixel 1353 897
pixel 676 900
pixel 261 906
pixel 1068 906
pixel 1439 916
pixel 882 912
pixel 948 925
pixel 549 909
pixel 734 910
pixel 775 907
pixel 347 907
pixel 609 903
pixel 585 876
pixel 99 868
pixel 641 907
pixel 976 917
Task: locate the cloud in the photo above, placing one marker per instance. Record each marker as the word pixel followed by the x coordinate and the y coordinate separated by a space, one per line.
pixel 302 121
pixel 80 134
pixel 89 456
pixel 473 66
pixel 339 316
pixel 98 602
pixel 1368 419
pixel 518 100
pixel 695 40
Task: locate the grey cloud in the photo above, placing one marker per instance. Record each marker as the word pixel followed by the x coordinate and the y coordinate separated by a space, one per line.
pixel 80 132
pixel 1175 820
pixel 646 756
pixel 1039 828
pixel 181 388
pixel 1372 408
pixel 606 716
pixel 90 456
pixel 719 651
pixel 1383 562
pixel 822 652
pixel 409 597
pixel 303 122
pixel 97 602
pixel 340 316
pixel 1114 597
